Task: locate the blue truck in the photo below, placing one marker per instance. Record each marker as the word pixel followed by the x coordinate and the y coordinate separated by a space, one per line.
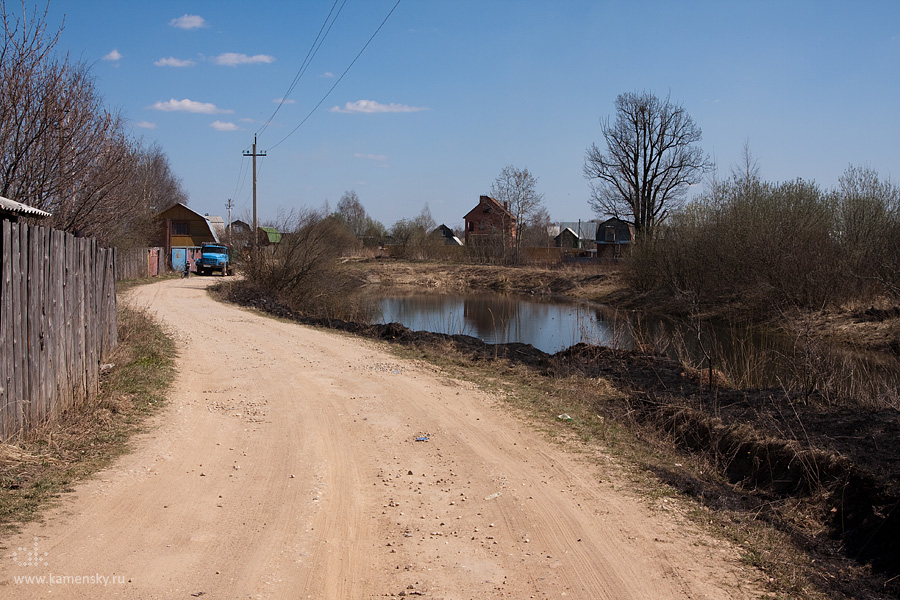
pixel 214 257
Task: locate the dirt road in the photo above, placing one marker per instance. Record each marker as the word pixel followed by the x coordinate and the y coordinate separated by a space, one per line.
pixel 297 463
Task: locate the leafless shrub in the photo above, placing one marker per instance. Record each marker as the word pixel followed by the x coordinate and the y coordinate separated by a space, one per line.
pixel 305 271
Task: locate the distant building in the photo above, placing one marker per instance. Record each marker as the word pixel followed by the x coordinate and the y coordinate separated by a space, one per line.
pixel 614 238
pixel 567 239
pixel 447 235
pixel 490 222
pixel 181 232
pixel 268 236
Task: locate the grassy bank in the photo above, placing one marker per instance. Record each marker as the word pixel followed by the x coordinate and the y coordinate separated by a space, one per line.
pixel 48 460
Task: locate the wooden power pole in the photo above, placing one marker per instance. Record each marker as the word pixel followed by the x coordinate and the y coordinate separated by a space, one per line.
pixel 229 205
pixel 254 154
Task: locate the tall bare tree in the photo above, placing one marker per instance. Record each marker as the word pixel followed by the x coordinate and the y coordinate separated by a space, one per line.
pixel 516 190
pixel 353 213
pixel 62 151
pixel 651 159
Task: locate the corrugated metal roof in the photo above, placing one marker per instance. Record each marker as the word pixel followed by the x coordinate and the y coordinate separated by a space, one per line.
pixel 588 228
pixel 217 225
pixel 17 208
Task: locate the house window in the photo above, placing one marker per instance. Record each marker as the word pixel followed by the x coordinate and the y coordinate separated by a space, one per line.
pixel 471 226
pixel 180 228
pixel 610 233
pixel 481 225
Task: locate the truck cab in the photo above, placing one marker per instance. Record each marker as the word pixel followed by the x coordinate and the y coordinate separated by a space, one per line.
pixel 214 257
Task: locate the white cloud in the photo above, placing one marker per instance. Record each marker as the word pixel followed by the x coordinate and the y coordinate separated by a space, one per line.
pixel 371 106
pixel 145 125
pixel 188 22
pixel 284 101
pixel 233 59
pixel 174 62
pixel 114 55
pixel 379 157
pixel 224 126
pixel 191 106
pixel 327 75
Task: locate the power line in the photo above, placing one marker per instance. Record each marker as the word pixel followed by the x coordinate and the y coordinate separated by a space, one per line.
pixel 310 55
pixel 328 93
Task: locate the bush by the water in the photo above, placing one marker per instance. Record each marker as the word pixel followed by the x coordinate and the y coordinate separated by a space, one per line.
pixel 304 271
pixel 775 245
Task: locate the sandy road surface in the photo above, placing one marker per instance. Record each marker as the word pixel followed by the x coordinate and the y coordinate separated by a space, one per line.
pixel 286 466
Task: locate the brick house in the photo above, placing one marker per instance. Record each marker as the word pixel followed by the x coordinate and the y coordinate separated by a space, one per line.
pixel 488 222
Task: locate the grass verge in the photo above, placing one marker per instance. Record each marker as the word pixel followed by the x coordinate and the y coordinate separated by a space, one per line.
pixel 47 461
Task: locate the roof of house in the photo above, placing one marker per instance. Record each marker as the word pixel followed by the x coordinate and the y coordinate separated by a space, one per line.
pixel 570 230
pixel 273 234
pixel 20 210
pixel 180 207
pixel 588 229
pixel 488 204
pixel 614 221
pixel 217 224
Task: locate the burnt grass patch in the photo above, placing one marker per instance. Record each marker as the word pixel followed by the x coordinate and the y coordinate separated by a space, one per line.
pixel 826 476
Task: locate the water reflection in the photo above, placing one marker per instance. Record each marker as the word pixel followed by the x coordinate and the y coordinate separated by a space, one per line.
pixel 498 319
pixel 748 357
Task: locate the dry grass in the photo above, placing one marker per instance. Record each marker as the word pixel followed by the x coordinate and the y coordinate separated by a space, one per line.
pixel 47 461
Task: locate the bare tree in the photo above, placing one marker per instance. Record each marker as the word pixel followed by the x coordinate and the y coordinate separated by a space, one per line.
pixel 650 161
pixel 62 151
pixel 516 190
pixel 351 210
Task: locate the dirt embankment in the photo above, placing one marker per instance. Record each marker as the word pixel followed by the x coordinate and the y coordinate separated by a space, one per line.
pixel 563 282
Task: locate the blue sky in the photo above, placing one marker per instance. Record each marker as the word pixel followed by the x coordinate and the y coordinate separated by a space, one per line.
pixel 450 91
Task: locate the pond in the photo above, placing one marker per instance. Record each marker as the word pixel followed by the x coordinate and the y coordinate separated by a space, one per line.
pixel 749 358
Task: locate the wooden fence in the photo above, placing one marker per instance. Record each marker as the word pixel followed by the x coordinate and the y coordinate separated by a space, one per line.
pixel 140 262
pixel 57 322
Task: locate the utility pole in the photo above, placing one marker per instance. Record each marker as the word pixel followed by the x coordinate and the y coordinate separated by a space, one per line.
pixel 254 154
pixel 229 205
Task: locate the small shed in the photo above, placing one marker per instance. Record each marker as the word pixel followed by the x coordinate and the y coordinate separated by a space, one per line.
pixel 447 235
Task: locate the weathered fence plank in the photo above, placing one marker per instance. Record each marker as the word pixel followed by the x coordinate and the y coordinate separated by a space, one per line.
pixel 6 367
pixel 57 322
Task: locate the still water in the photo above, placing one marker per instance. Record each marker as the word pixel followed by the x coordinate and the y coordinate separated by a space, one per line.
pixel 749 358
pixel 498 319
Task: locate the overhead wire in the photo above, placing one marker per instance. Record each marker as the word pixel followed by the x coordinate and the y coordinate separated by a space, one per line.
pixel 241 179
pixel 331 89
pixel 310 55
